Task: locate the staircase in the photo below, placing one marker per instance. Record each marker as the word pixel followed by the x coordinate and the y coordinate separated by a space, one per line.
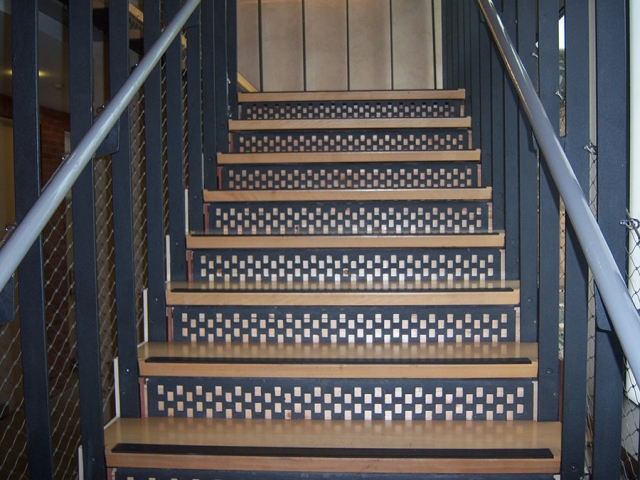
pixel 347 313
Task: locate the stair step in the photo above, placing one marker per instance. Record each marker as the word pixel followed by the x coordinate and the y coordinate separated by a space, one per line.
pixel 352 140
pixel 350 176
pixel 351 109
pixel 505 360
pixel 348 157
pixel 335 446
pixel 344 293
pixel 391 95
pixel 436 194
pixel 341 217
pixel 494 239
pixel 349 124
pixel 360 324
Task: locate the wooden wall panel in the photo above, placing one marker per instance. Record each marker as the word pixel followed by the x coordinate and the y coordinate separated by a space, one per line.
pixel 345 44
pixel 412 34
pixel 282 46
pixel 370 44
pixel 249 41
pixel 326 45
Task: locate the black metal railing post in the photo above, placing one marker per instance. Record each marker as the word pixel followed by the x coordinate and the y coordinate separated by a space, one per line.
pixel 209 95
pixel 119 68
pixel 154 182
pixel 84 243
pixel 26 150
pixel 528 181
pixel 511 156
pixel 549 262
pixel 194 112
pixel 221 76
pixel 574 408
pixel 498 134
pixel 485 101
pixel 613 187
pixel 175 149
pixel 232 57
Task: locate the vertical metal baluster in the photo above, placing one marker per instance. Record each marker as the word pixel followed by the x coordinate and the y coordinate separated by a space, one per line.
pixel 26 151
pixel 84 243
pixel 549 263
pixel 574 412
pixel 122 217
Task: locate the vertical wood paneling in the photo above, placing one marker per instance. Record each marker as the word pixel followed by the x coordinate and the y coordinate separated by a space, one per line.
pixel 340 44
pixel 249 41
pixel 370 45
pixel 412 44
pixel 282 46
pixel 326 45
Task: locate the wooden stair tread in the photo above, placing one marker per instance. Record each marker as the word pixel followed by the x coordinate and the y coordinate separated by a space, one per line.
pixel 392 95
pixel 491 292
pixel 336 195
pixel 211 241
pixel 349 124
pixel 326 360
pixel 335 446
pixel 348 157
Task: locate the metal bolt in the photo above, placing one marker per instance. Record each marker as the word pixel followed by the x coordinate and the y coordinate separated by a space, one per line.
pixel 591 148
pixel 549 371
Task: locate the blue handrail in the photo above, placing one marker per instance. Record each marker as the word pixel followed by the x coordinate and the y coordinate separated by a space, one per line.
pixel 611 284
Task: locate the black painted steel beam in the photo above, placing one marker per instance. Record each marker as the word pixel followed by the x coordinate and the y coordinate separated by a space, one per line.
pixel 125 288
pixel 84 244
pixel 26 149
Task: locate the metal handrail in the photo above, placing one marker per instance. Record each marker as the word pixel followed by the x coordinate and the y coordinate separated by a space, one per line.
pixel 60 184
pixel 611 284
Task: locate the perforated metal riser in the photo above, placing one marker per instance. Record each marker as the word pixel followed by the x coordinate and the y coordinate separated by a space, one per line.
pixel 339 399
pixel 354 109
pixel 351 176
pixel 409 264
pixel 152 474
pixel 352 141
pixel 399 217
pixel 342 325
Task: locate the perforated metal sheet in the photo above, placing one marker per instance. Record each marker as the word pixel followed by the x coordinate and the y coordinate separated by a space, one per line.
pixel 348 264
pixel 342 325
pixel 338 399
pixel 398 217
pixel 359 109
pixel 352 141
pixel 351 176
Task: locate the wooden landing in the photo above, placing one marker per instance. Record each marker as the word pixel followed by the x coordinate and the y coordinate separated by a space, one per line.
pixel 337 195
pixel 346 241
pixel 348 157
pixel 349 124
pixel 451 447
pixel 460 360
pixel 391 95
pixel 498 292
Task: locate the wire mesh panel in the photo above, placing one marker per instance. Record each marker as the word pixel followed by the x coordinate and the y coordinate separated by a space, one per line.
pixel 61 339
pixel 138 188
pixel 631 404
pixel 13 459
pixel 591 326
pixel 106 280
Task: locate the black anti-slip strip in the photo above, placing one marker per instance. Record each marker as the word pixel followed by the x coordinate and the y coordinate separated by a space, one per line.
pixel 341 361
pixel 301 291
pixel 399 453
